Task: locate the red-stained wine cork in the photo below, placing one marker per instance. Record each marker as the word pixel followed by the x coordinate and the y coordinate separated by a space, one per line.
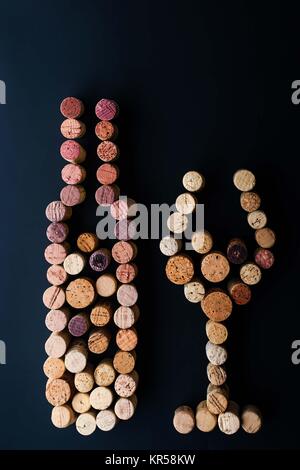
pixel 72 195
pixel 106 420
pixel 193 181
pixel 56 252
pixel 216 332
pixel 250 201
pixel 229 421
pixel 72 129
pixel 73 174
pixel 56 211
pixel 106 130
pixel 194 291
pixel 124 361
pixel 250 274
pixel 106 109
pixel 54 367
pixel 81 402
pixel 101 314
pixel 107 173
pixel 125 230
pixel 126 384
pixel 124 251
pixel 217 399
pixel 237 252
pixel 104 373
pixel 57 232
pixel 215 267
pixel 71 107
pixel 185 203
pixel 177 223
pixel 79 324
pixel 257 219
pixel 57 343
pixel 106 285
pixel 107 151
pixel 215 353
pixel 54 297
pixel 87 242
pixel 170 246
pixel 101 398
pixel 251 419
pixel 76 357
pixel 62 416
pixel 127 295
pixel 57 320
pixel 84 381
pixel 123 208
pixel 265 237
pixel 239 292
pixel 205 420
pixel 184 419
pixel 216 374
pixel 80 293
pixel 264 258
pixel 98 341
pixel 56 275
pixel 74 263
pixel 180 269
pixel 127 339
pixel 59 391
pixel 72 151
pixel 86 423
pixel 107 194
pixel 125 407
pixel 126 273
pixel 100 259
pixel 125 317
pixel 217 305
pixel 244 180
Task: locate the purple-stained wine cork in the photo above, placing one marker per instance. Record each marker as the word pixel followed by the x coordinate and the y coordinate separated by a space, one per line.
pixel 72 195
pixel 56 275
pixel 72 129
pixel 107 194
pixel 108 151
pixel 72 151
pixel 71 107
pixel 54 297
pixel 100 259
pixel 237 252
pixel 264 258
pixel 106 130
pixel 56 253
pixel 107 173
pixel 126 273
pixel 106 109
pixel 79 325
pixel 127 295
pixel 125 230
pixel 73 174
pixel 57 320
pixel 56 211
pixel 57 232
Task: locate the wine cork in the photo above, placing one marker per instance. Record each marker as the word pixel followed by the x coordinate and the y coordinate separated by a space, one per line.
pixel 127 295
pixel 126 273
pixel 80 293
pixel 56 211
pixel 73 174
pixel 257 219
pixel 81 402
pixel 124 361
pixel 216 374
pixel 79 325
pixel 54 367
pixel 244 180
pixel 62 416
pixel 107 151
pixel 217 399
pixel 123 208
pixel 101 398
pixel 104 373
pixel 265 237
pixel 194 291
pixel 180 269
pixel 125 230
pixel 54 297
pixel 57 320
pixel 251 419
pixel 125 317
pixel 74 263
pixel 106 130
pixel 76 357
pixel 217 305
pixel 59 391
pixel 215 267
pixel 106 285
pixel 193 181
pixel 177 223
pixel 56 275
pixel 100 259
pixel 98 341
pixel 202 242
pixel 57 232
pixel 125 407
pixel 184 419
pixel 216 354
pixel 72 152
pixel 71 195
pixel 107 173
pixel 84 381
pixel 56 253
pixel 216 332
pixel 229 421
pixel 71 107
pixel 101 314
pixel 124 252
pixel 205 420
pixel 264 258
pixel 127 339
pixel 107 194
pixel 250 201
pixel 86 423
pixel 126 384
pixel 106 420
pixel 57 343
pixel 250 274
pixel 237 252
pixel 170 246
pixel 106 109
pixel 185 203
pixel 239 292
pixel 72 129
pixel 87 242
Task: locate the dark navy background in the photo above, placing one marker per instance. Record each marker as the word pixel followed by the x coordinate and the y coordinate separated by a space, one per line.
pixel 201 85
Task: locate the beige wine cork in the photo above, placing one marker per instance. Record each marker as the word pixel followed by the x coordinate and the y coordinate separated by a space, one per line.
pixel 101 398
pixel 177 223
pixel 126 384
pixel 76 357
pixel 84 381
pixel 216 374
pixel 216 332
pixel 74 263
pixel 250 201
pixel 57 343
pixel 101 314
pixel 125 407
pixel 194 291
pixel 180 269
pixel 56 275
pixel 244 180
pixel 104 373
pixel 86 423
pixel 229 421
pixel 81 402
pixel 56 211
pixel 106 285
pixel 87 242
pixel 257 219
pixel 106 420
pixel 98 340
pixel 127 339
pixel 265 237
pixel 80 293
pixel 57 320
pixel 205 420
pixel 250 274
pixel 193 181
pixel 202 242
pixel 125 317
pixel 72 129
pixel 124 361
pixel 216 354
pixel 186 203
pixel 215 267
pixel 59 391
pixel 54 367
pixel 217 399
pixel 251 419
pixel 184 419
pixel 54 297
pixel 217 305
pixel 56 253
pixel 62 416
pixel 170 246
pixel 127 295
